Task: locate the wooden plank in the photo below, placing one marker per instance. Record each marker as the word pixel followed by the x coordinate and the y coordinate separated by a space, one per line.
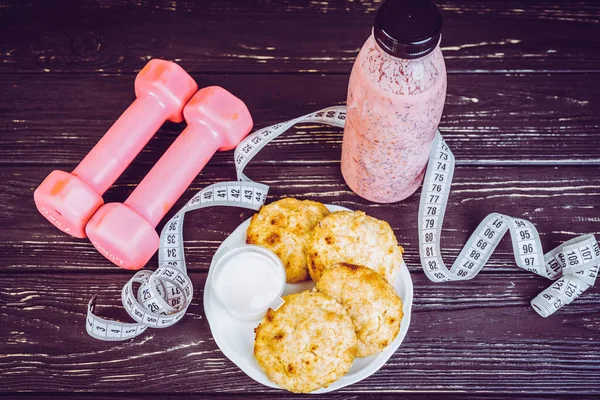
pixel 418 395
pixel 476 336
pixel 561 201
pixel 261 396
pixel 273 36
pixel 278 395
pixel 57 119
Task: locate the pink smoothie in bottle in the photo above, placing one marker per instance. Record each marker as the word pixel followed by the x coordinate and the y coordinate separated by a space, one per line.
pixel 395 100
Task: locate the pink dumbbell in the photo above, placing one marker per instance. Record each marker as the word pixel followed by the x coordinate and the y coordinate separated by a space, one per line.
pixel 69 200
pixel 125 233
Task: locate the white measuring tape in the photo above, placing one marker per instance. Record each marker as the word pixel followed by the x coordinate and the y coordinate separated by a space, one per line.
pixel 165 294
pixel 575 262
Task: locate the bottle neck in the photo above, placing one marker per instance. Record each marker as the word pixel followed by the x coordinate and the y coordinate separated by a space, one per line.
pixel 393 58
pixel 399 76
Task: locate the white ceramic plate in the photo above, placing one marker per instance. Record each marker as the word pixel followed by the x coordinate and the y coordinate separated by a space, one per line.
pixel 235 337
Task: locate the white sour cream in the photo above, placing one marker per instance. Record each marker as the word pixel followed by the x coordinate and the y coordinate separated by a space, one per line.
pixel 248 280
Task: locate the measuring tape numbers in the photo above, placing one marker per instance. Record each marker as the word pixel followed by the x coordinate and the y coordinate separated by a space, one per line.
pixel 163 296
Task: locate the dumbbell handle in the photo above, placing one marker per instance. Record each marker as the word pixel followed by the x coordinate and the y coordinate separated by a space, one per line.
pixel 125 139
pixel 174 172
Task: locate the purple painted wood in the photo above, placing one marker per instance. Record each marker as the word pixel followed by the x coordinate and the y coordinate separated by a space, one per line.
pixel 522 117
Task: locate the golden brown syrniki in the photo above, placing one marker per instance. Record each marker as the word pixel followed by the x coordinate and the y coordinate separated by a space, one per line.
pixel 307 344
pixel 371 302
pixel 356 238
pixel 284 227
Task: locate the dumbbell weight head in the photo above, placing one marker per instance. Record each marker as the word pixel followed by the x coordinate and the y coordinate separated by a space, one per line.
pixel 123 236
pixel 227 116
pixel 168 83
pixel 69 200
pixel 125 233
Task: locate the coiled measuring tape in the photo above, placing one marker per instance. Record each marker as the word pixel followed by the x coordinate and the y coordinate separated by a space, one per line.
pixel 165 294
pixel 574 263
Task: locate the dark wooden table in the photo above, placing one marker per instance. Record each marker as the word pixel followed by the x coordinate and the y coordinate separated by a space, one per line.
pixel 522 117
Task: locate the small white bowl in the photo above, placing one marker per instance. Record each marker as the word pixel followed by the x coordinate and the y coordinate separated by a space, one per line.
pixel 248 280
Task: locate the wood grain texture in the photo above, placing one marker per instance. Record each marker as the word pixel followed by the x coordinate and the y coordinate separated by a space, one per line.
pixel 522 117
pixel 284 36
pixel 561 201
pixel 464 337
pixel 419 395
pixel 258 396
pixel 500 119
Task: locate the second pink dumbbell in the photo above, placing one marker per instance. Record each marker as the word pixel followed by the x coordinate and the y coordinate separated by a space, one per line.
pixel 125 233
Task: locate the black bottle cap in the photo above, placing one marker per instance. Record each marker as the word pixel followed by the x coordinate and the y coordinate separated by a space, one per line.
pixel 408 28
